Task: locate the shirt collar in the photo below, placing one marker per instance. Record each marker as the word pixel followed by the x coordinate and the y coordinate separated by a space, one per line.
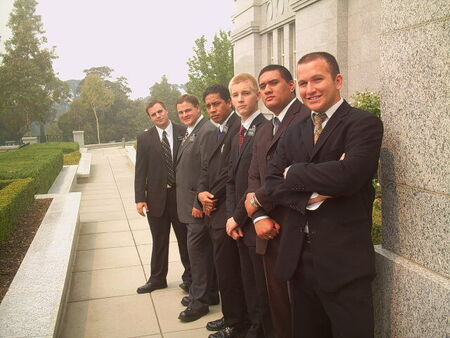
pixel 169 130
pixel 330 110
pixel 284 111
pixel 190 129
pixel 249 121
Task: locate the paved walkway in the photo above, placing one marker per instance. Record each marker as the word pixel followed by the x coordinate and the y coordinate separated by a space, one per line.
pixel 113 259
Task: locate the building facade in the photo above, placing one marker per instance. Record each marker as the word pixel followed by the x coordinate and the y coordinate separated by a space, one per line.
pixel 399 48
pixel 281 31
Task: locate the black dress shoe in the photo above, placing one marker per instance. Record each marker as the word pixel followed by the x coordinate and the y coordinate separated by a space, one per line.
pixel 216 325
pixel 185 301
pixel 189 315
pixel 185 286
pixel 149 287
pixel 228 332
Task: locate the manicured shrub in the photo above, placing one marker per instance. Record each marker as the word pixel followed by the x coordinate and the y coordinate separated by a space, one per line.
pixel 66 147
pixel 15 198
pixel 42 164
pixel 72 158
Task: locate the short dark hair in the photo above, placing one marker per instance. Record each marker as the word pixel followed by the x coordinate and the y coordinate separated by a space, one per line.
pixel 218 89
pixel 152 103
pixel 284 72
pixel 192 99
pixel 329 59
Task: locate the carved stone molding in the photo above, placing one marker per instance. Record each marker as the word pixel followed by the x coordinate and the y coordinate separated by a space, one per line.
pixel 297 5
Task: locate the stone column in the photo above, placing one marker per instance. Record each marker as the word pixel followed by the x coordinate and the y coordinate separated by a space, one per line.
pixel 78 136
pixel 321 25
pixel 412 290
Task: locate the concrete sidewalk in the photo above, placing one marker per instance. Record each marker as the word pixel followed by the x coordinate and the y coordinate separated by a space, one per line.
pixel 113 259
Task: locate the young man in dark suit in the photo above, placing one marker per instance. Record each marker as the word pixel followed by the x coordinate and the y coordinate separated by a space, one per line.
pixel 212 186
pixel 191 155
pixel 155 196
pixel 322 173
pixel 245 95
pixel 277 89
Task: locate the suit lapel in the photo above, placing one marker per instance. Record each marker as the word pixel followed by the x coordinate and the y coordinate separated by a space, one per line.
pixel 307 135
pixel 290 114
pixel 221 139
pixel 185 142
pixel 330 126
pixel 178 133
pixel 154 139
pixel 252 129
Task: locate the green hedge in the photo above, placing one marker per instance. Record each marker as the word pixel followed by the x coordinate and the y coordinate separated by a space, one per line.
pixel 43 164
pixel 15 198
pixel 66 147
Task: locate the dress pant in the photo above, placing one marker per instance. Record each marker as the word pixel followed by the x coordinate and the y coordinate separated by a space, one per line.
pixel 278 291
pixel 160 229
pixel 345 313
pixel 204 283
pixel 255 290
pixel 228 269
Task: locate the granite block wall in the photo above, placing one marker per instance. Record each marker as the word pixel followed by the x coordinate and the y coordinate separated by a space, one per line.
pixel 412 288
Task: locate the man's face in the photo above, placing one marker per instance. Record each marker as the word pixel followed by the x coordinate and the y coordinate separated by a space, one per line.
pixel 218 109
pixel 244 98
pixel 188 113
pixel 318 89
pixel 159 115
pixel 276 92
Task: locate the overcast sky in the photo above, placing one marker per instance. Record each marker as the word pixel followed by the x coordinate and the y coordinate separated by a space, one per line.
pixel 140 39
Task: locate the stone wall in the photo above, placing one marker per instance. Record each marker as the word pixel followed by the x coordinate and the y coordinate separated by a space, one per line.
pixel 413 288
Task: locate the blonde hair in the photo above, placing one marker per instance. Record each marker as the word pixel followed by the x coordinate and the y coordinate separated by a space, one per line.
pixel 244 77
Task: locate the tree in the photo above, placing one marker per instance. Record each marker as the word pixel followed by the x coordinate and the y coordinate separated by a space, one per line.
pixel 117 116
pixel 213 66
pixel 96 96
pixel 167 93
pixel 28 85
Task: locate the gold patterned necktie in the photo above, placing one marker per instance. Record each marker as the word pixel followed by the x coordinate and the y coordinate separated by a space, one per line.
pixel 318 118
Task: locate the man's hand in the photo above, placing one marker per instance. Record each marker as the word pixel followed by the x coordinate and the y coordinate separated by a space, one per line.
pixel 197 213
pixel 233 229
pixel 251 209
pixel 318 198
pixel 142 208
pixel 267 228
pixel 207 199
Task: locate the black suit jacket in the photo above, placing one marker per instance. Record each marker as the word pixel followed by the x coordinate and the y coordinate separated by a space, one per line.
pixel 340 228
pixel 150 180
pixel 238 179
pixel 214 172
pixel 263 150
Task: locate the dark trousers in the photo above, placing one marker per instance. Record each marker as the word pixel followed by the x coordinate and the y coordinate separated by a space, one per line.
pixel 160 229
pixel 228 269
pixel 204 283
pixel 279 301
pixel 255 290
pixel 345 313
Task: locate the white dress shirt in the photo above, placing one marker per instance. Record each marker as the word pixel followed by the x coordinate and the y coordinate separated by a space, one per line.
pixel 169 132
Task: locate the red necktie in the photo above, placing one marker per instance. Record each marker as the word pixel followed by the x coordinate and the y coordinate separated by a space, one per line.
pixel 241 136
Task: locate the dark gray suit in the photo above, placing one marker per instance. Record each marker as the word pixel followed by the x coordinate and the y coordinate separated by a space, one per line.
pixel 191 155
pixel 150 185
